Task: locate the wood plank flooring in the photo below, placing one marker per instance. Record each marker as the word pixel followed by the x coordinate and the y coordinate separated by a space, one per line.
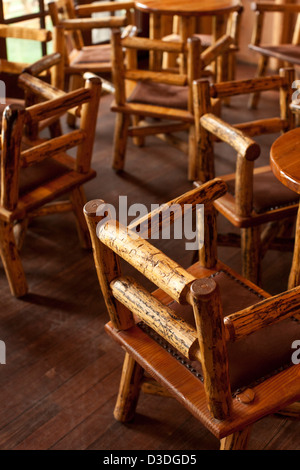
pixel 59 385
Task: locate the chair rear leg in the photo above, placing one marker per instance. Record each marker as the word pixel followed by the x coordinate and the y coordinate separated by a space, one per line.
pixel 254 97
pixel 11 260
pixel 250 245
pixel 129 390
pixel 236 441
pixel 20 230
pixel 78 200
pixel 120 140
pixel 138 141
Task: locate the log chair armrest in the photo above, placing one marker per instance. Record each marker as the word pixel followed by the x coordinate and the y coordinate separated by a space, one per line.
pixel 244 145
pixel 221 46
pixel 43 64
pixel 38 87
pixel 263 314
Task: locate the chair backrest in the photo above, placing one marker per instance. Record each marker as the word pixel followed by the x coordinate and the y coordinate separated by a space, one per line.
pixel 262 8
pixel 204 92
pixel 232 24
pixel 65 13
pixel 49 64
pixel 126 72
pixel 54 105
pixel 126 298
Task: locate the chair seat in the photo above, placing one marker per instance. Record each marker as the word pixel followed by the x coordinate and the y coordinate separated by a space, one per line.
pixel 39 174
pixel 92 55
pixel 159 94
pixel 253 358
pixel 285 52
pixel 268 192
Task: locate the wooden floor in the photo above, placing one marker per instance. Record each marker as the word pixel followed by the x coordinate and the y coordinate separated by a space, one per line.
pixel 59 385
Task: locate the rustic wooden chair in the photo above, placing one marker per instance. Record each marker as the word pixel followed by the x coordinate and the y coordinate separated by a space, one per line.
pixel 211 339
pixel 36 172
pixel 289 54
pixel 49 67
pixel 164 96
pixel 256 202
pixel 80 58
pixel 225 70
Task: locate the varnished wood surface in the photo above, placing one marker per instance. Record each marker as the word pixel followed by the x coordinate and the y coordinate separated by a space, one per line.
pixel 186 8
pixel 58 389
pixel 285 159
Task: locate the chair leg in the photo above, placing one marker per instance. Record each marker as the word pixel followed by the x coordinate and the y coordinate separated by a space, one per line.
pixel 129 390
pixel 20 230
pixel 250 246
pixel 78 200
pixel 291 411
pixel 138 141
pixel 169 60
pixel 76 81
pixel 193 157
pixel 254 97
pixel 236 441
pixel 11 260
pixel 120 140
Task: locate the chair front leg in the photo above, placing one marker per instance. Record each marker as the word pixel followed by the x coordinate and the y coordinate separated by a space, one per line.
pixel 194 170
pixel 129 390
pixel 250 246
pixel 11 260
pixel 236 441
pixel 120 140
pixel 78 200
pixel 76 81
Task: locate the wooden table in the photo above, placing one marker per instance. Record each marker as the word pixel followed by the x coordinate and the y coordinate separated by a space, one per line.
pixel 285 164
pixel 187 12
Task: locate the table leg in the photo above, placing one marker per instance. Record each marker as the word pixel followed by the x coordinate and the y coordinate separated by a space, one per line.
pixel 294 278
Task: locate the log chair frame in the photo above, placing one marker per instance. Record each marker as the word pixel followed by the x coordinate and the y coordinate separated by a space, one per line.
pixel 261 9
pixel 128 303
pixel 40 201
pixel 126 75
pixel 238 209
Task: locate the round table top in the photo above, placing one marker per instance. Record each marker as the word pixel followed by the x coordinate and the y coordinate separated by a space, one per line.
pixel 188 7
pixel 285 159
